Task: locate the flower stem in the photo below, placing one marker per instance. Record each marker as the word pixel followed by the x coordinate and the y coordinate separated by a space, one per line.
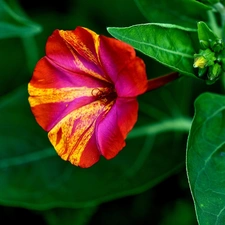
pixel 162 80
pixel 182 124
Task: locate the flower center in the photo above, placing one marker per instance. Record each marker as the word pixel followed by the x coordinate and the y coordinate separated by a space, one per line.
pixel 105 95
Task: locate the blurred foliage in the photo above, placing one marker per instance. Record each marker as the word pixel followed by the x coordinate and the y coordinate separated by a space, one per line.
pixel 185 13
pixel 14 22
pixel 145 183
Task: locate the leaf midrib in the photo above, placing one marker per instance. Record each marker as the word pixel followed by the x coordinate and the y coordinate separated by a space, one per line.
pixel 122 37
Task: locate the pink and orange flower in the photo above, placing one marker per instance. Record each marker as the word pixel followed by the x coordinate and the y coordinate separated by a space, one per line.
pixel 83 93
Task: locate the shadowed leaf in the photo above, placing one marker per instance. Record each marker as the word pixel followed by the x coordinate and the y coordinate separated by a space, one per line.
pixel 180 12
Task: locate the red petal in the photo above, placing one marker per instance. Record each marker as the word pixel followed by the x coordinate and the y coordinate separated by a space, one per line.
pixel 91 154
pixel 132 79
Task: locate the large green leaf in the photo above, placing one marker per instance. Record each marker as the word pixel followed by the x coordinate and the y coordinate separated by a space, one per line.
pixel 14 22
pixel 181 12
pixel 206 159
pixel 171 45
pixel 34 176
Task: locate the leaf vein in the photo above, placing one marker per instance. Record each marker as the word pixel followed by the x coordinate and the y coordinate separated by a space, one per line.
pixel 154 46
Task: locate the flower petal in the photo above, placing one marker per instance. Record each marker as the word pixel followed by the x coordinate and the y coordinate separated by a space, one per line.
pixel 73 137
pixel 84 41
pixel 90 154
pixel 113 129
pixel 132 79
pixel 76 50
pixel 49 114
pixel 47 74
pixel 126 70
pixel 55 92
pixel 114 56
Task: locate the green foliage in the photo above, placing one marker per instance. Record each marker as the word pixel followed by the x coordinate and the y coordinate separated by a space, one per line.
pixel 205 158
pixel 14 22
pixel 185 13
pixel 171 45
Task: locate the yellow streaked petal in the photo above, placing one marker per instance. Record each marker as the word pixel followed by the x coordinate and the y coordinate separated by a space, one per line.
pixel 53 95
pixel 72 41
pixel 71 135
pixel 96 40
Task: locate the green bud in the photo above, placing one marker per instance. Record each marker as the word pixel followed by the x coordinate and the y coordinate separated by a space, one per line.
pixel 221 56
pixel 209 55
pixel 204 44
pixel 202 71
pixel 214 72
pixel 204 58
pixel 217 45
pixel 209 82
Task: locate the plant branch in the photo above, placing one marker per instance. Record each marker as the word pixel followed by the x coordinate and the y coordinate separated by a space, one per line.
pixel 168 125
pixel 162 80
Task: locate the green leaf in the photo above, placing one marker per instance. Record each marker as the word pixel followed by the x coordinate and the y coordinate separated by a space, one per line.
pixel 169 44
pixel 14 22
pixel 185 13
pixel 206 159
pixel 34 176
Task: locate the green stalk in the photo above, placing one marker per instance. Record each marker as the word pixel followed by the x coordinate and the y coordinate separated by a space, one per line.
pixel 168 125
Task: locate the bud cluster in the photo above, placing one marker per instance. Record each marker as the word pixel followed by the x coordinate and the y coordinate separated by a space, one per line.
pixel 210 60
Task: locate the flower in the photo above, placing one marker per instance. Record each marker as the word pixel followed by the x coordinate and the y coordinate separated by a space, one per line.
pixel 83 93
pixel 200 62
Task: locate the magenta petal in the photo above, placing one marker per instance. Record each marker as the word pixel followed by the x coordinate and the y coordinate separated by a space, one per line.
pixel 65 54
pixel 57 77
pixel 113 129
pixel 114 56
pixel 127 113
